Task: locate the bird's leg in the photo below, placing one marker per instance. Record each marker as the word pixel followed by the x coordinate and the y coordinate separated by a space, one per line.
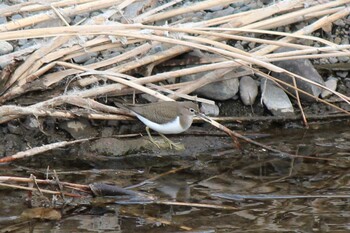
pixel 176 146
pixel 151 138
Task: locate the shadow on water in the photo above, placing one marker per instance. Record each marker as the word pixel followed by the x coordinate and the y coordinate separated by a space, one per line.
pixel 245 191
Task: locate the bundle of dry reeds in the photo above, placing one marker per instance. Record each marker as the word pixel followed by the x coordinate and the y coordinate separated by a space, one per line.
pixel 137 37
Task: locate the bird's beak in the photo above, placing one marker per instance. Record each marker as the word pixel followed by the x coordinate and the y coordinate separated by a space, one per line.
pixel 203 116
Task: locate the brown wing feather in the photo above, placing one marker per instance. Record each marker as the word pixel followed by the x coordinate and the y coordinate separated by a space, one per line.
pixel 161 112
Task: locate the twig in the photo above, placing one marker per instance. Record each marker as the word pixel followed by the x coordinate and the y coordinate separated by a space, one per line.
pixel 38 150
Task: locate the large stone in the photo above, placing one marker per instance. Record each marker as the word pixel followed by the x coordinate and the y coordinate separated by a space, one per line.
pixel 119 147
pixel 304 68
pixel 275 99
pixel 221 90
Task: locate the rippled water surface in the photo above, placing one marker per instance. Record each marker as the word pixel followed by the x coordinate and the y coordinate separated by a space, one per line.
pixel 219 189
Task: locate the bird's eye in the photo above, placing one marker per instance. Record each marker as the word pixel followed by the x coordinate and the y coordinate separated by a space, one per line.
pixel 192 110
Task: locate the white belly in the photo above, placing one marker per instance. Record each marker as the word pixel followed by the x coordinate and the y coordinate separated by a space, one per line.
pixel 173 127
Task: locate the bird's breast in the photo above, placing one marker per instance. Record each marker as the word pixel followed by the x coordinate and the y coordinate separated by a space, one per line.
pixel 172 127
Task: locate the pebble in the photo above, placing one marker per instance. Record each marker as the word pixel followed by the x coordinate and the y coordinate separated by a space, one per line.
pixel 343 74
pixel 107 132
pixel 248 90
pixel 16 17
pixel 345 41
pixel 3 20
pixel 149 98
pixel 219 13
pixel 23 43
pixel 239 45
pixel 337 40
pixel 32 123
pixel 5 47
pixel 92 60
pixel 217 8
pixel 80 18
pixel 13 143
pixel 343 59
pixel 324 61
pixel 79 129
pixel 84 58
pixel 339 22
pixel 15 128
pixel 275 99
pixel 4 6
pixel 331 83
pixel 347 83
pixel 210 109
pixel 333 60
pixel 252 45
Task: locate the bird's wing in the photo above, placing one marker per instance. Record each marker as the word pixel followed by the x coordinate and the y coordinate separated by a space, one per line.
pixel 156 112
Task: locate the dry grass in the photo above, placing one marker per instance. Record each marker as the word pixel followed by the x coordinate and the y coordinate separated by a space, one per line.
pixel 142 46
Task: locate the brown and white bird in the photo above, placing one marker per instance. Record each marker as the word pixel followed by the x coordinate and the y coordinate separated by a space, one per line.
pixel 167 117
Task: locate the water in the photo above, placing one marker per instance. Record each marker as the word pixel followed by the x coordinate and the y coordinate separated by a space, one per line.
pixel 219 189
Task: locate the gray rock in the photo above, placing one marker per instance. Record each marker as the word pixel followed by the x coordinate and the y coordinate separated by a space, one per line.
pixel 149 98
pixel 23 42
pixel 333 60
pixel 14 128
pixel 216 8
pixel 32 123
pixel 91 61
pixel 3 20
pixel 52 23
pixel 344 59
pixel 267 1
pixel 304 68
pixel 210 109
pixel 13 143
pixel 342 74
pixel 5 47
pixel 331 83
pixel 84 58
pixel 252 45
pixel 340 22
pixel 119 147
pixel 275 99
pixel 248 90
pixel 239 45
pixel 16 17
pixel 4 6
pixel 218 13
pixel 107 132
pixel 80 18
pixel 337 40
pixel 79 129
pixel 221 90
pixel 345 41
pixel 323 61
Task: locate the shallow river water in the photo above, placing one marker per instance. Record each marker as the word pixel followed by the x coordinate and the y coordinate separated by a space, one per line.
pixel 215 189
